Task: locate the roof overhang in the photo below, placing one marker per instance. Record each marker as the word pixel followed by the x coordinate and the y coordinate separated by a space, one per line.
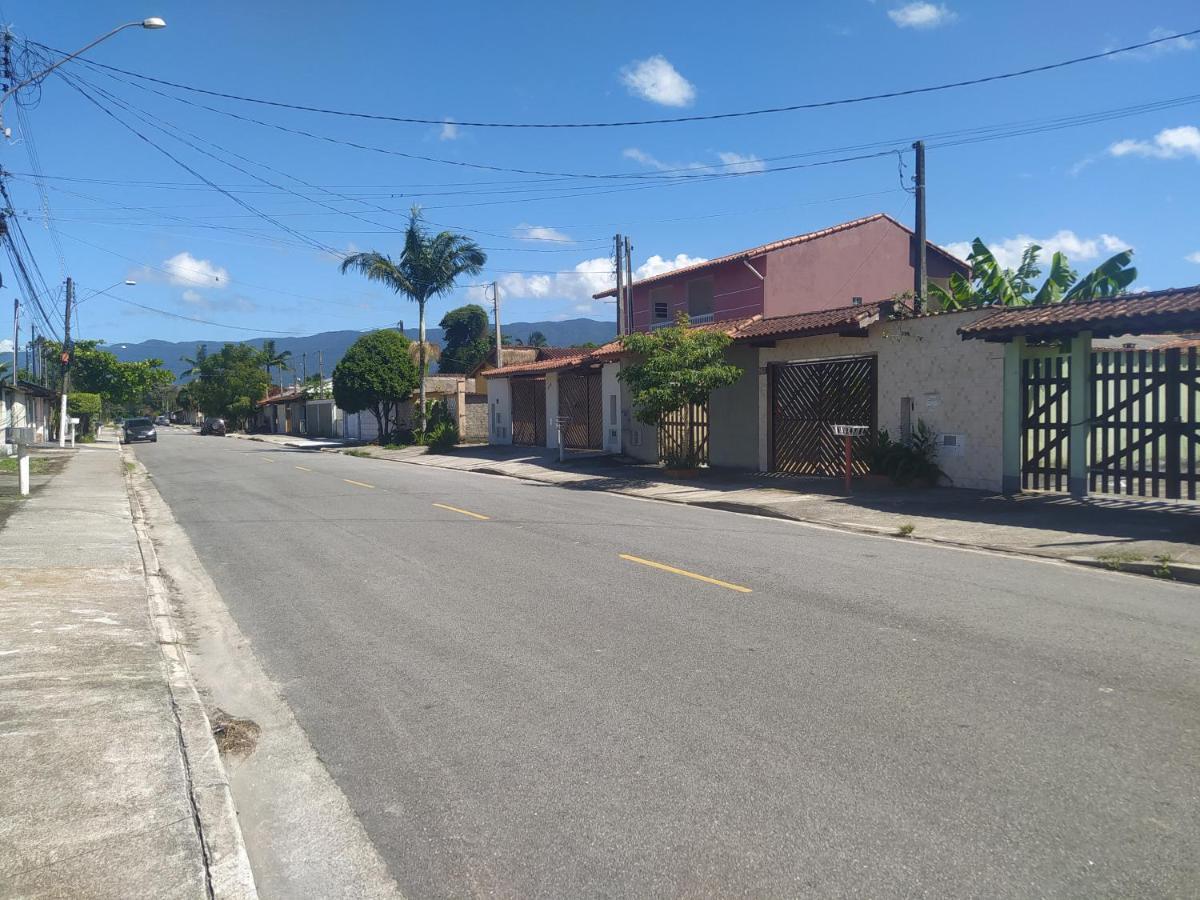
pixel 1171 311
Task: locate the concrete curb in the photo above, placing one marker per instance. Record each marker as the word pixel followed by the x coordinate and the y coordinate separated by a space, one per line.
pixel 1181 572
pixel 226 863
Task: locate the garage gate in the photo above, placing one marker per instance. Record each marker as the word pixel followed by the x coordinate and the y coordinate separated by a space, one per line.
pixel 529 412
pixel 807 400
pixel 580 401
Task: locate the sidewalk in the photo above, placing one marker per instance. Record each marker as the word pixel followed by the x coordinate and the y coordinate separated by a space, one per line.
pixel 110 784
pixel 1128 534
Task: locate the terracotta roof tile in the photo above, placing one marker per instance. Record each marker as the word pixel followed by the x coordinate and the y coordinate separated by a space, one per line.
pixel 779 245
pixel 821 321
pixel 540 366
pixel 1149 311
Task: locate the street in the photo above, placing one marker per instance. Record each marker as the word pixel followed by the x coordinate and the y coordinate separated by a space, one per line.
pixel 525 690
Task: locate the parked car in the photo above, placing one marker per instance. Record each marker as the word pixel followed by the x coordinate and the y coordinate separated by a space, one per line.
pixel 213 426
pixel 138 430
pixel 162 420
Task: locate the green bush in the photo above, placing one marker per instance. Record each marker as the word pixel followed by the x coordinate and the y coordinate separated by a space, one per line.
pixel 905 462
pixel 442 431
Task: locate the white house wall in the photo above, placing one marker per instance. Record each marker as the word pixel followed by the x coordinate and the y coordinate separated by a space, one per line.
pixel 551 409
pixel 610 390
pixel 954 386
pixel 499 394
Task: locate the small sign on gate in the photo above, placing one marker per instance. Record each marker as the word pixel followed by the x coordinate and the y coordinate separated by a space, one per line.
pixel 851 430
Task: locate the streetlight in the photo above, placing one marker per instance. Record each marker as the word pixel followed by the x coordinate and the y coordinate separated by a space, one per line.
pixel 152 24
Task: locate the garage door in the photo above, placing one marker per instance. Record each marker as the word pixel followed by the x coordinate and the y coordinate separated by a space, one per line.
pixel 807 399
pixel 529 412
pixel 580 401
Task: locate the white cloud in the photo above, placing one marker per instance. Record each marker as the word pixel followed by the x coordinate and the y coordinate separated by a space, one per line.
pixel 656 265
pixel 578 285
pixel 526 232
pixel 739 163
pixel 1193 257
pixel 449 132
pixel 1178 45
pixel 1077 249
pixel 656 80
pixel 736 162
pixel 185 269
pixel 6 347
pixel 922 15
pixel 1170 143
pixel 195 298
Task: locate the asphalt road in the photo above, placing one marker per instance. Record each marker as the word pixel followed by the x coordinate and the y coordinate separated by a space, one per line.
pixel 526 705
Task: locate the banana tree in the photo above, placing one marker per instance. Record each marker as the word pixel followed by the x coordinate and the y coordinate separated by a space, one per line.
pixel 992 283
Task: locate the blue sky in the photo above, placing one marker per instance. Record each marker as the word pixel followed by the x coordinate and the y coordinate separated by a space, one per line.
pixel 123 210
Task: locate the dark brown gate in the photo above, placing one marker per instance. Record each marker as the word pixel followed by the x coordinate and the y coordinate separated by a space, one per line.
pixel 580 401
pixel 673 436
pixel 1045 423
pixel 807 400
pixel 1144 434
pixel 529 412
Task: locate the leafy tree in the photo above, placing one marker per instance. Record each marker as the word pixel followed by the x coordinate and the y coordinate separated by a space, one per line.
pixel 377 374
pixel 229 383
pixel 678 366
pixel 991 283
pixel 273 359
pixel 123 386
pixel 88 407
pixel 428 267
pixel 465 336
pixel 586 345
pixel 537 339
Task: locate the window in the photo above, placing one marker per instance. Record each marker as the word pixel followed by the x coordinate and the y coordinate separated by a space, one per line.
pixel 700 297
pixel 660 298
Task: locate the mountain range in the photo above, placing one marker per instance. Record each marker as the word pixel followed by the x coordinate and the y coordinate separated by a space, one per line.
pixel 326 348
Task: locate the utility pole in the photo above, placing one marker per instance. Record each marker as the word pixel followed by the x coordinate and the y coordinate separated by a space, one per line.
pixel 496 316
pixel 16 338
pixel 622 325
pixel 921 278
pixel 303 368
pixel 628 285
pixel 321 368
pixel 65 358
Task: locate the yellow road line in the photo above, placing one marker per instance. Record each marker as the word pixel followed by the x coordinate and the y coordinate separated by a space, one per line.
pixel 359 483
pixel 657 565
pixel 465 512
pixel 303 468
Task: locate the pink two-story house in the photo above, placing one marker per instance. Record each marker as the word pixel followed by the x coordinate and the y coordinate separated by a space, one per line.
pixel 873 258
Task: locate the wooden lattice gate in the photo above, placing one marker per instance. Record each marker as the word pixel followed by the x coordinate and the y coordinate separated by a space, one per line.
pixel 529 412
pixel 673 436
pixel 1144 435
pixel 1045 422
pixel 581 402
pixel 807 400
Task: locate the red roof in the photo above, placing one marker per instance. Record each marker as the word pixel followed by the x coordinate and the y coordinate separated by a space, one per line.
pixel 822 321
pixel 779 245
pixel 542 365
pixel 1173 309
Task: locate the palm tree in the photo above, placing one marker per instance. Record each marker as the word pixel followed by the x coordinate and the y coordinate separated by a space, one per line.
pixel 272 358
pixel 992 283
pixel 428 267
pixel 194 362
pixel 433 352
pixel 537 339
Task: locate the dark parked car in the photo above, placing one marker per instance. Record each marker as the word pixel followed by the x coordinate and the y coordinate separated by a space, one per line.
pixel 213 426
pixel 138 430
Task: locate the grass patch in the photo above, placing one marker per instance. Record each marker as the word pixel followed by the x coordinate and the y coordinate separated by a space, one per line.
pixel 396 446
pixel 1163 569
pixel 38 465
pixel 1117 559
pixel 130 467
pixel 906 529
pixel 359 453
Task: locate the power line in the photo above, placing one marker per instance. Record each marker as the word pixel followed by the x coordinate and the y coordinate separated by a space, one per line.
pixel 173 315
pixel 796 107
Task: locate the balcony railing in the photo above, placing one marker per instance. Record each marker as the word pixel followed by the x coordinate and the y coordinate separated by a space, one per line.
pixel 701 319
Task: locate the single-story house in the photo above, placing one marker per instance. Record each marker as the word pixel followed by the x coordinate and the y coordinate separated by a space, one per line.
pixel 26 405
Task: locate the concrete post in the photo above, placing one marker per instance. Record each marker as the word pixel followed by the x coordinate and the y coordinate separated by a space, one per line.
pixel 1080 406
pixel 1010 481
pixel 764 416
pixel 23 468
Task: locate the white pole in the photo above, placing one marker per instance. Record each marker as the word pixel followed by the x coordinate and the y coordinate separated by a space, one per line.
pixel 496 315
pixel 23 468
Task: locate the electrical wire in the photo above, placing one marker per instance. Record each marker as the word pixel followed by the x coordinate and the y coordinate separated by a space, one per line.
pixel 463 122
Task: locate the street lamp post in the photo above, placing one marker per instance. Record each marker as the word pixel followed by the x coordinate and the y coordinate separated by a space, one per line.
pixel 152 24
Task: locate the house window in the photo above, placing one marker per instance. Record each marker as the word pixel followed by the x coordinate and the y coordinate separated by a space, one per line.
pixel 700 297
pixel 660 298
